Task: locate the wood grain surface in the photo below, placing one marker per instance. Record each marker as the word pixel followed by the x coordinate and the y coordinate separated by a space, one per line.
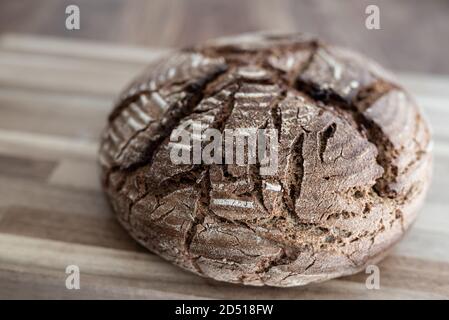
pixel 54 99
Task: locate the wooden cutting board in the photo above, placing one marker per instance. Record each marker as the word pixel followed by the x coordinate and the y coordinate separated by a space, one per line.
pixel 54 97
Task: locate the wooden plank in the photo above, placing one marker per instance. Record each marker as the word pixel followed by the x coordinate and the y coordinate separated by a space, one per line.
pixel 33 194
pixel 26 143
pixel 63 117
pixel 79 49
pixel 100 231
pixel 144 271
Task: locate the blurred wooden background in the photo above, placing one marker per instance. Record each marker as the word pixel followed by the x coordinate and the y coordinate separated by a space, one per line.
pixel 52 209
pixel 413 35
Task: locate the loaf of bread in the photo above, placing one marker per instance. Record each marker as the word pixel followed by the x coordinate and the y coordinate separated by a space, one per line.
pixel 353 160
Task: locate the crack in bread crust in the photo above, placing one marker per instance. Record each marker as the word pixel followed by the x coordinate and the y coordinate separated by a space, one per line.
pixel 365 98
pixel 349 181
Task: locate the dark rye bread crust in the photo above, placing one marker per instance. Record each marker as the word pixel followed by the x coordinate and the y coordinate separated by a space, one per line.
pixel 354 161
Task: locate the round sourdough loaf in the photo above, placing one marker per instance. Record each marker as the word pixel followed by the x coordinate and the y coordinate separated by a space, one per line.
pixel 353 160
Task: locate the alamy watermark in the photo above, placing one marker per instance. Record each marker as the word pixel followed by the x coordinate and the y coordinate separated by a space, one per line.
pixel 372 21
pixel 72 282
pixel 72 21
pixel 194 143
pixel 373 280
